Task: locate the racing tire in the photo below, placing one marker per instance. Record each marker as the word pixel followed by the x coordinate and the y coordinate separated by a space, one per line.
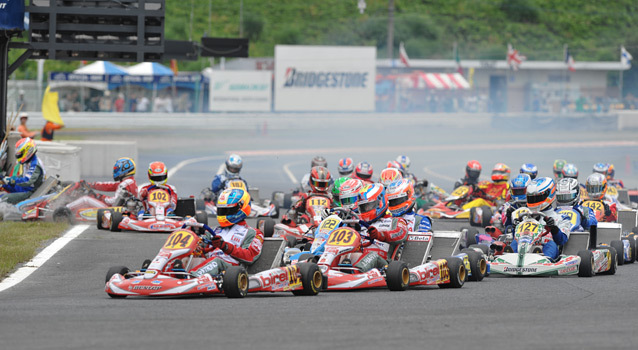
pixel 458 274
pixel 615 258
pixel 632 249
pixel 288 201
pixel 311 279
pixel 276 214
pixel 619 247
pixel 470 235
pixel 269 227
pixel 483 247
pixel 291 241
pixel 116 218
pixel 483 219
pixel 98 218
pixel 63 214
pixel 235 282
pixel 200 204
pixel 202 218
pixel 478 265
pixel 586 267
pixel 397 276
pixel 122 270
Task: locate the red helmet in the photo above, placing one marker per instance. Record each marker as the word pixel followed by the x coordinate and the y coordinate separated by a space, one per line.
pixel 157 173
pixel 473 169
pixel 501 172
pixel 363 171
pixel 389 175
pixel 320 179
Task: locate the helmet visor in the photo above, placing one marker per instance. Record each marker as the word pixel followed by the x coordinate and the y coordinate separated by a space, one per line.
pixel 595 190
pixel 473 173
pixel 349 201
pixel 320 185
pixel 397 201
pixel 537 198
pixel 369 206
pixel 158 178
pixel 566 198
pixel 227 211
pixel 233 168
pixel 364 176
pixel 519 191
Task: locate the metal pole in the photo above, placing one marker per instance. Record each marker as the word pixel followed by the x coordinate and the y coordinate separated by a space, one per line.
pixel 390 30
pixel 241 18
pixel 621 73
pixel 4 64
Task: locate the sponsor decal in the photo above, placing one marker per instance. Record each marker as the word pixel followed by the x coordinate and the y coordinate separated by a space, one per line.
pixel 159 227
pixel 379 279
pixel 147 287
pixel 569 269
pixel 328 80
pixel 88 213
pixel 419 238
pixel 156 282
pixel 282 277
pixel 520 269
pixel 136 282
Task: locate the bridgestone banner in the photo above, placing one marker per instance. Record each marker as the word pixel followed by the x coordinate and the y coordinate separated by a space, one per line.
pixel 325 78
pixel 240 91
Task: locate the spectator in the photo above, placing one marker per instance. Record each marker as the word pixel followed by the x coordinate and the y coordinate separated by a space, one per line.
pixel 47 131
pixel 22 128
pixel 119 103
pixel 105 102
pixel 142 104
pixel 163 103
pixel 21 103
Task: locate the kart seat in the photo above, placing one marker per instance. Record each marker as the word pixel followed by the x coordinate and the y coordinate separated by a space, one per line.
pixel 47 185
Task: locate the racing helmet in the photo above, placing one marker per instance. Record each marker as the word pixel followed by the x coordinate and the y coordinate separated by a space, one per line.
pixel 157 173
pixel 233 164
pixel 567 192
pixel 349 193
pixel 123 168
pixel 401 197
pixel 335 190
pixel 396 165
pixel 596 185
pixel 541 194
pixel 25 150
pixel 319 179
pixel 372 202
pixel 529 169
pixel 518 188
pixel 559 164
pixel 405 161
pixel 601 168
pixel 345 167
pixel 570 170
pixel 611 172
pixel 389 175
pixel 473 169
pixel 363 171
pixel 318 161
pixel 500 173
pixel 233 206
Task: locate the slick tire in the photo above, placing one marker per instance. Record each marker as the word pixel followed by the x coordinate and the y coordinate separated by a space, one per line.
pixel 235 283
pixel 632 249
pixel 620 251
pixel 116 218
pixel 586 267
pixel 122 270
pixel 201 217
pixel 311 279
pixel 478 265
pixel 287 201
pixel 483 247
pixel 470 235
pixel 615 258
pixel 99 217
pixel 291 241
pixel 269 227
pixel 397 276
pixel 458 274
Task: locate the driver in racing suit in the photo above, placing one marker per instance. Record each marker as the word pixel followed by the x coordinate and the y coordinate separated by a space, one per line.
pixel 231 171
pixel 124 186
pixel 234 242
pixel 596 185
pixel 568 196
pixel 158 175
pixel 401 201
pixel 497 190
pixel 320 182
pixel 389 231
pixel 27 176
pixel 541 198
pixel 518 198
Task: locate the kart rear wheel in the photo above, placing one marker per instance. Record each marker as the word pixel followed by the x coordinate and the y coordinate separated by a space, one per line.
pixel 122 270
pixel 63 214
pixel 586 267
pixel 458 274
pixel 311 279
pixel 397 276
pixel 632 249
pixel 269 227
pixel 288 202
pixel 470 235
pixel 615 258
pixel 235 282
pixel 478 265
pixel 291 241
pixel 620 251
pixel 116 218
pixel 98 218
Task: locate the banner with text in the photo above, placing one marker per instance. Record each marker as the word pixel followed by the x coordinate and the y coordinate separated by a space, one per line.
pixel 325 78
pixel 240 91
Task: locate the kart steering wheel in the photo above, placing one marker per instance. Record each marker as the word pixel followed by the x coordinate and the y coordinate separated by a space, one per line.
pixel 344 213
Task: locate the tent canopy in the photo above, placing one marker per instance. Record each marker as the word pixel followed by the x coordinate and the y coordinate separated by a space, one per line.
pixel 149 68
pixel 101 67
pixel 437 81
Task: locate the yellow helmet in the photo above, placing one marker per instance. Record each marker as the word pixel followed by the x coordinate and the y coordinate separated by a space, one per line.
pixel 233 206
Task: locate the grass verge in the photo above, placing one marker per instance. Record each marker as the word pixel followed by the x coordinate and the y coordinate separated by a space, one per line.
pixel 20 241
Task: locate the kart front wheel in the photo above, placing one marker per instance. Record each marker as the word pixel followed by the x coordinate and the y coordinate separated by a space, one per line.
pixel 269 227
pixel 458 274
pixel 620 250
pixel 478 264
pixel 397 276
pixel 615 261
pixel 99 218
pixel 586 268
pixel 632 249
pixel 235 282
pixel 116 218
pixel 311 279
pixel 122 270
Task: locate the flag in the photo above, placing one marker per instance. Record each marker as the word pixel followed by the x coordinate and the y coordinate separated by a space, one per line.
pixel 50 110
pixel 625 57
pixel 514 59
pixel 470 76
pixel 404 55
pixel 457 59
pixel 174 66
pixel 569 60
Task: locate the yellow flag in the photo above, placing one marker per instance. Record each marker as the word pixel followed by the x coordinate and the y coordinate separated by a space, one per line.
pixel 50 110
pixel 471 77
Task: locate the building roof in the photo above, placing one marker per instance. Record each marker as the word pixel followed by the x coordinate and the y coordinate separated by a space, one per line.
pixel 502 64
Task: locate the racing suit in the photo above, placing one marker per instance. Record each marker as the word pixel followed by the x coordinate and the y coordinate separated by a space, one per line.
pixel 26 178
pixel 559 234
pixel 299 208
pixel 244 245
pixel 392 232
pixel 492 191
pixel 221 180
pixel 587 217
pixel 416 222
pixel 147 188
pixel 123 189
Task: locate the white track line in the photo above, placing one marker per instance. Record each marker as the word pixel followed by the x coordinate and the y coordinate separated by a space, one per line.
pixel 291 176
pixel 41 258
pixel 437 175
pixel 186 162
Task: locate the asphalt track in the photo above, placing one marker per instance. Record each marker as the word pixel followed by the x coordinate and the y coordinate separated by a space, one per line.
pixel 63 305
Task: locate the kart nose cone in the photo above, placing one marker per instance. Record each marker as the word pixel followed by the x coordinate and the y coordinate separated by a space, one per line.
pixel 160 217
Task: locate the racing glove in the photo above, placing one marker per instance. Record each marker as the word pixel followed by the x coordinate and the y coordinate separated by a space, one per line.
pixel 219 243
pixel 9 181
pixel 552 225
pixel 374 233
pixel 607 209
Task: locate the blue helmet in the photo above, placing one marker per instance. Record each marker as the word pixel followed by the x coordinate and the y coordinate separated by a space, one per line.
pixel 518 188
pixel 124 167
pixel 233 206
pixel 570 170
pixel 529 169
pixel 601 168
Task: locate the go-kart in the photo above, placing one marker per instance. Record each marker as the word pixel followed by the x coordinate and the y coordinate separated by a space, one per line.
pixel 258 207
pixel 49 188
pixel 530 261
pixel 170 274
pixel 156 220
pixel 461 205
pixel 298 225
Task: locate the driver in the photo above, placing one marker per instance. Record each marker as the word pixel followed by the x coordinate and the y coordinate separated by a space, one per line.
pixel 529 169
pixel 345 167
pixel 596 185
pixel 559 164
pixel 316 161
pixel 609 172
pixel 518 198
pixel 401 200
pixel 232 167
pixel 568 196
pixel 496 190
pixel 158 175
pixel 320 182
pixel 472 173
pixel 28 173
pixel 234 242
pixel 541 198
pixel 349 193
pixel 389 175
